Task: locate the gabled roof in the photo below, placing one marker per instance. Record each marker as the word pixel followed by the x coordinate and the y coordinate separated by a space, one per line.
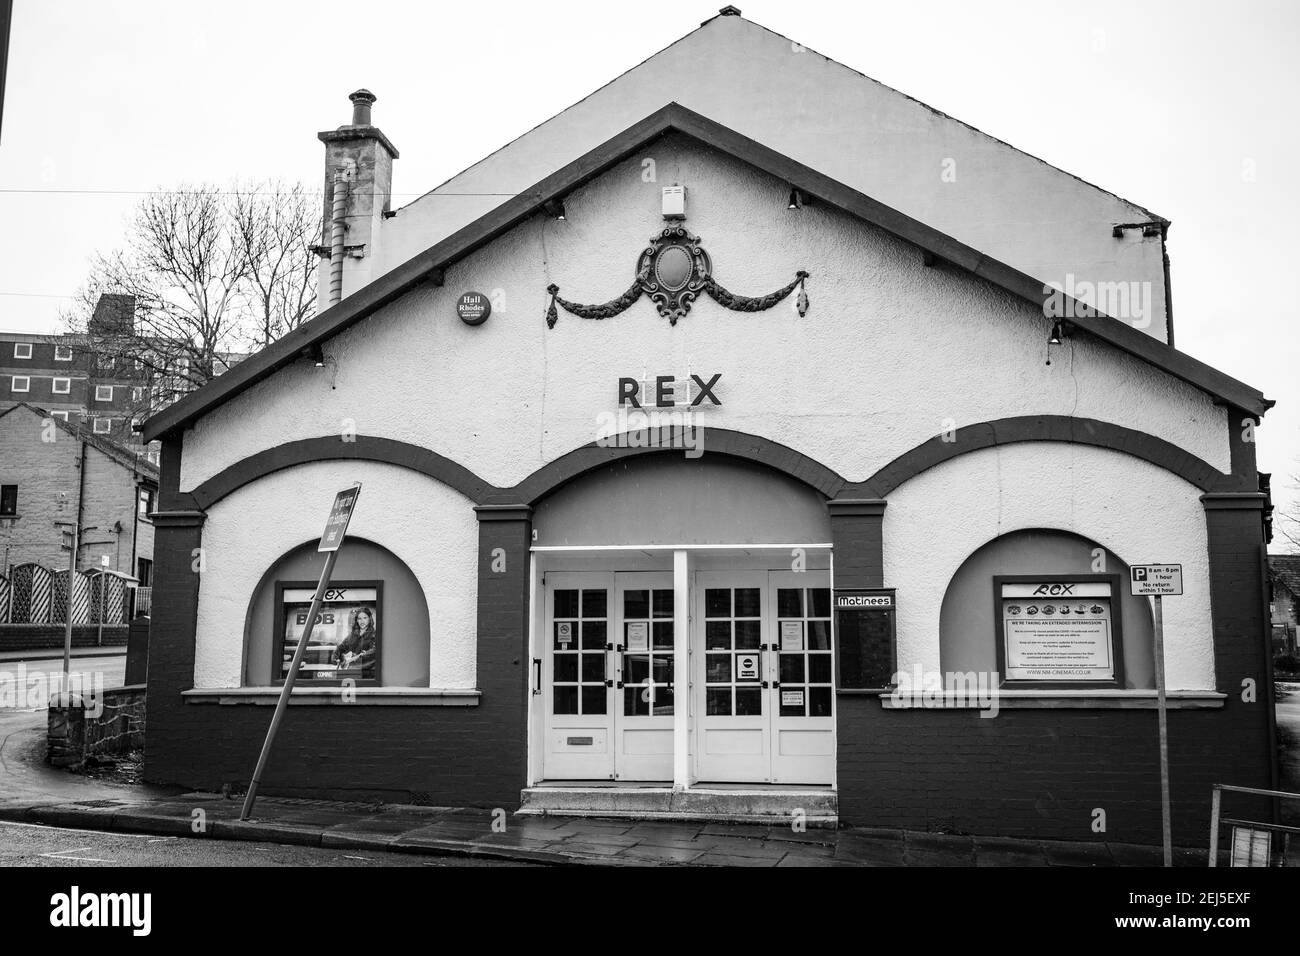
pixel 1012 206
pixel 119 453
pixel 676 118
pixel 1285 570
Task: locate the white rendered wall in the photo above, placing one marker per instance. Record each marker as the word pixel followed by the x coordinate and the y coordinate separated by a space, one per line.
pixel 1140 512
pixel 1005 203
pixel 427 525
pixel 890 354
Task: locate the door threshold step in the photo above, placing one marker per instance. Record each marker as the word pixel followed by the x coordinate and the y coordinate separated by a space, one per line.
pixel 817 807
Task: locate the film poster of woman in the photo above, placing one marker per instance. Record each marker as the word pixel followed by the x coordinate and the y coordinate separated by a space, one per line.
pixel 355 655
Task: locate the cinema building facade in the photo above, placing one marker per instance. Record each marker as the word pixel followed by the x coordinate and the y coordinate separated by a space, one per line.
pixel 760 449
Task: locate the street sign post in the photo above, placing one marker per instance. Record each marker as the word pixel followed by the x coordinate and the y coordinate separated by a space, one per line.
pixel 336 527
pixel 1156 581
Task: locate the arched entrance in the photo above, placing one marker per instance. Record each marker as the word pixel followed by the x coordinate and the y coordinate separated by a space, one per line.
pixel 681 628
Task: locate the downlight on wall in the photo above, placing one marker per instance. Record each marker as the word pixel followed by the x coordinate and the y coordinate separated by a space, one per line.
pixel 1060 332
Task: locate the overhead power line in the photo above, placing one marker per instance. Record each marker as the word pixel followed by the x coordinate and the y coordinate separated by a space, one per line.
pixel 220 192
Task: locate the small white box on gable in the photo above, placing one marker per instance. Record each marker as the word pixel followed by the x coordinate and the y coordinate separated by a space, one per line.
pixel 674 202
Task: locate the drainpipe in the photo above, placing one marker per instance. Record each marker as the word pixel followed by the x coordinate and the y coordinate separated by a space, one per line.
pixel 342 177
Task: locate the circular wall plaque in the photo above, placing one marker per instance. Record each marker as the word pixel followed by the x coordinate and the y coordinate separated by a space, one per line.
pixel 473 308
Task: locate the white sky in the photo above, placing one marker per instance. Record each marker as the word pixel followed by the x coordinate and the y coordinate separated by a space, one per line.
pixel 1165 103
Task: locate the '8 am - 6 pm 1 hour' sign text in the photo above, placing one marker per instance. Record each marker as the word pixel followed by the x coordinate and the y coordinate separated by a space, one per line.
pixel 1156 579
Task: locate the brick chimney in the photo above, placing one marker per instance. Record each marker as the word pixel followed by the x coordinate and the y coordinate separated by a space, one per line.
pixel 360 159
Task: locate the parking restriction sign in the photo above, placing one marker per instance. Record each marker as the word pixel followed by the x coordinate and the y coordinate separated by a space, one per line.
pixel 1155 580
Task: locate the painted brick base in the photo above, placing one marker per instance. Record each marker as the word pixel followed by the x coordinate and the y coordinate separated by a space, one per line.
pixel 1041 773
pixel 448 756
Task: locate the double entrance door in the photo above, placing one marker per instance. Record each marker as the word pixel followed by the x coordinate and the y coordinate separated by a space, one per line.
pixel 760 695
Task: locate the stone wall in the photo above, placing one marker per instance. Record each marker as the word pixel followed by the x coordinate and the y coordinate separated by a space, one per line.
pixel 76 732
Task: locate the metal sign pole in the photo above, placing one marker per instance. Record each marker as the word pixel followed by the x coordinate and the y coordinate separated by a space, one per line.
pixel 67 616
pixel 317 599
pixel 336 528
pixel 1166 828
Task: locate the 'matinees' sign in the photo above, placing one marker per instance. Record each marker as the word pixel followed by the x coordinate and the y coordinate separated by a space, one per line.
pixel 668 391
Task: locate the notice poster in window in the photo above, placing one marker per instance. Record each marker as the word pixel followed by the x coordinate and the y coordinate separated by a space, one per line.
pixel 791 636
pixel 345 641
pixel 1058 631
pixel 638 636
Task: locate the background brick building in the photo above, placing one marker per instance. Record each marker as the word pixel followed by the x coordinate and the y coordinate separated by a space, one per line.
pixel 51 472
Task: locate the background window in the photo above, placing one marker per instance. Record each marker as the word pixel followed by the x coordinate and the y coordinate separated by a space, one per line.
pixel 63 353
pixel 146 501
pixel 22 350
pixel 21 383
pixel 8 500
pixel 103 426
pixel 103 393
pixel 61 415
pixel 62 386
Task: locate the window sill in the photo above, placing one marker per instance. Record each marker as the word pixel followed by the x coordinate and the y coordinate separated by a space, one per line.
pixel 1060 700
pixel 333 696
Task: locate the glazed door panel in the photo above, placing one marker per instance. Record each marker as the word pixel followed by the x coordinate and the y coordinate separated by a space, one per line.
pixel 578 677
pixel 646 693
pixel 803 680
pixel 732 709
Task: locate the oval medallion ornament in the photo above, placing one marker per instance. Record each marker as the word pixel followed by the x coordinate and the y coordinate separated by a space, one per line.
pixel 473 308
pixel 673 268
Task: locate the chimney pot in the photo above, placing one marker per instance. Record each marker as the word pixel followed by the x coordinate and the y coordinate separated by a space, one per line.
pixel 362 100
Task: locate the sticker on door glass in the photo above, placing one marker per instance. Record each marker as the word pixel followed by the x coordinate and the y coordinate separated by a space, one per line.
pixel 791 636
pixel 746 667
pixel 638 636
pixel 564 633
pixel 791 698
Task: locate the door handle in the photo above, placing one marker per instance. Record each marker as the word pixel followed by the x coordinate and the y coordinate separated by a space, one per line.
pixel 537 675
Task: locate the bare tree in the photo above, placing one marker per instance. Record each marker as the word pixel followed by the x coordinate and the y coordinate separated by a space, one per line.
pixel 275 226
pixel 213 274
pixel 1287 522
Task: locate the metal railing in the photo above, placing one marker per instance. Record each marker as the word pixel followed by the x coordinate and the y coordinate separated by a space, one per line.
pixel 143 602
pixel 1217 820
